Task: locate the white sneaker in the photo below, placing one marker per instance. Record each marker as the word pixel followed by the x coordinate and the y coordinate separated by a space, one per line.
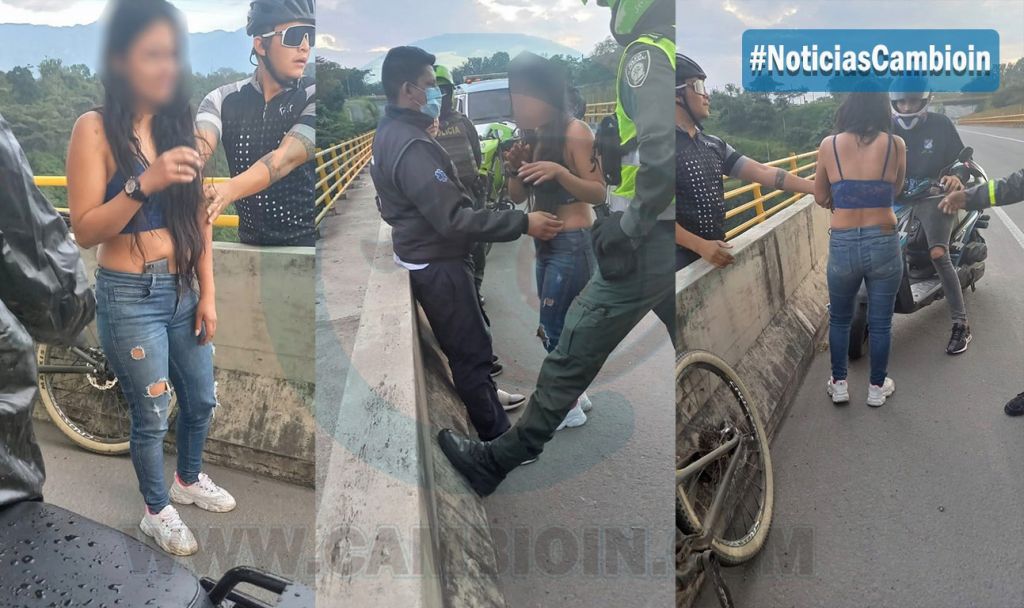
pixel 574 418
pixel 585 402
pixel 878 394
pixel 510 401
pixel 203 493
pixel 840 391
pixel 169 532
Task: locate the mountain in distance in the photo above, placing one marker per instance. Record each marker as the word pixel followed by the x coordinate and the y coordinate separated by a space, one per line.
pixel 454 49
pixel 28 44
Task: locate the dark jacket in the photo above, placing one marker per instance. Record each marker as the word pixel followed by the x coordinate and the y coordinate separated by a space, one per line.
pixel 995 193
pixel 45 297
pixel 431 214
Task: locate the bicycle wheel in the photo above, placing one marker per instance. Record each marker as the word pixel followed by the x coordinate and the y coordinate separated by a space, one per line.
pixel 713 406
pixel 83 396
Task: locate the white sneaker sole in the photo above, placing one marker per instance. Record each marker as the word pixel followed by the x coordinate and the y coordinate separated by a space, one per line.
pixel 180 497
pixel 513 405
pixel 885 396
pixel 573 421
pixel 837 397
pixel 148 531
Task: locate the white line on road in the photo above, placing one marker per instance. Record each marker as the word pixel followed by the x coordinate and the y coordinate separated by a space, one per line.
pixel 1016 232
pixel 990 135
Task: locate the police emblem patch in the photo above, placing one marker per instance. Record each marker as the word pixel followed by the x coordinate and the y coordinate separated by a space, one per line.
pixel 441 176
pixel 637 68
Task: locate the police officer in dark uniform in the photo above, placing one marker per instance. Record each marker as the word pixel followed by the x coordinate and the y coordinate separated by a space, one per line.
pixel 633 247
pixel 434 226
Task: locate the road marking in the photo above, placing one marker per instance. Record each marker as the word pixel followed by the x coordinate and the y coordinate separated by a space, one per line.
pixel 1016 232
pixel 1020 141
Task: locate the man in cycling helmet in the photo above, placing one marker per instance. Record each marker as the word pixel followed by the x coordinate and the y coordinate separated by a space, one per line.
pixel 701 161
pixel 932 144
pixel 267 124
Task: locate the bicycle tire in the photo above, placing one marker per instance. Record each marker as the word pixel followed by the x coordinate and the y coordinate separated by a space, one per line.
pixel 732 552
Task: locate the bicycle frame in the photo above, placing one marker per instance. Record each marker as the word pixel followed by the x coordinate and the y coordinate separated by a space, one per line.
pixel 703 540
pixel 93 367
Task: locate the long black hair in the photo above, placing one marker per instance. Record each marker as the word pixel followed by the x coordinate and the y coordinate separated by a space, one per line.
pixel 865 114
pixel 173 125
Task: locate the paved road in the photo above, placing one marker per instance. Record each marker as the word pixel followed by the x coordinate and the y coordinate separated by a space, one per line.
pixel 611 475
pixel 918 503
pixel 611 478
pixel 272 527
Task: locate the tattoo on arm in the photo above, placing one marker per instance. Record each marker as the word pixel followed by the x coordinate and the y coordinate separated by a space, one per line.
pixel 275 172
pixel 780 178
pixel 307 145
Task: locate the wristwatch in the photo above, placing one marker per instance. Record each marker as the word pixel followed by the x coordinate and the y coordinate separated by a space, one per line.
pixel 133 189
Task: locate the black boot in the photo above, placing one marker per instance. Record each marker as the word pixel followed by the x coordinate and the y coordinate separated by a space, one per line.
pixel 473 459
pixel 1015 406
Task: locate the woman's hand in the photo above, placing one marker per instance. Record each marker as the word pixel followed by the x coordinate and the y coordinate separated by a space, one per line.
pixel 541 171
pixel 218 196
pixel 518 154
pixel 179 165
pixel 206 315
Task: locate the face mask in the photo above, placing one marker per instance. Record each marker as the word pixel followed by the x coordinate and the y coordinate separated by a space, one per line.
pixel 433 106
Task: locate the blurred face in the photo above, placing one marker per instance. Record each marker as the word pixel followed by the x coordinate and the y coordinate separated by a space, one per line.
pixel 288 62
pixel 530 112
pixel 151 65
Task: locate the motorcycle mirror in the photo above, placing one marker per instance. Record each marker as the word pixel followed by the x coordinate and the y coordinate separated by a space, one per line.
pixel 966 154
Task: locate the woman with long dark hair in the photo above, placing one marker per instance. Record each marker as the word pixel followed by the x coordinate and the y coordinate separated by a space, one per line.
pixel 860 170
pixel 554 166
pixel 135 191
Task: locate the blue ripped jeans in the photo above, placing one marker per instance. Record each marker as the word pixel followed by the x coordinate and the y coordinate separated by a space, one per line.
pixel 147 331
pixel 564 267
pixel 869 255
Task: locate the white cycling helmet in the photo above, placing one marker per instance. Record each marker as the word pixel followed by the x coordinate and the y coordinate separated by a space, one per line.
pixel 909 88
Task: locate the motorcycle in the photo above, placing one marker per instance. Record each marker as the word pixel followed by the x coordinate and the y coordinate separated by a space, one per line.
pixel 920 285
pixel 54 557
pixel 497 139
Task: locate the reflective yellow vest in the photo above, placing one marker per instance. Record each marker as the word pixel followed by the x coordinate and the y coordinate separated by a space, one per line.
pixel 626 189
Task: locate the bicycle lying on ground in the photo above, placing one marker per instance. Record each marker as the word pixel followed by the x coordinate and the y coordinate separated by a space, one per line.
pixel 724 496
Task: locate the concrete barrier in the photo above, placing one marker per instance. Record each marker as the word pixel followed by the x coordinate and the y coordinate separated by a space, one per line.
pixel 765 314
pixel 396 524
pixel 264 362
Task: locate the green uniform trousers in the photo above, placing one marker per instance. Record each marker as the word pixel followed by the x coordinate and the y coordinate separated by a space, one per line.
pixel 597 321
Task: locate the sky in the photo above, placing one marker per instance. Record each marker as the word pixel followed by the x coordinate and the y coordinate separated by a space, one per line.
pixel 710 31
pixel 359 30
pixel 202 15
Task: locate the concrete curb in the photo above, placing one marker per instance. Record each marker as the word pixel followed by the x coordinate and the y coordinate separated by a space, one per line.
pixel 766 314
pixel 396 525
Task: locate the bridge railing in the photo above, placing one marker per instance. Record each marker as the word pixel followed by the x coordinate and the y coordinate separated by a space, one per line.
pixel 767 205
pixel 61 181
pixel 337 167
pixel 1014 120
pixel 596 111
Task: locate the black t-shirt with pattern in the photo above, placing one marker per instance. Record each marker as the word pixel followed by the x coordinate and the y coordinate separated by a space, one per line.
pixel 250 128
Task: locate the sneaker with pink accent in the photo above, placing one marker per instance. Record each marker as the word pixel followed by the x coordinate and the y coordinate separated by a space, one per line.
pixel 203 493
pixel 839 390
pixel 169 532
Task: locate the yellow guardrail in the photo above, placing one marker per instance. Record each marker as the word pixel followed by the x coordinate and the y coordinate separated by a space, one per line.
pixel 597 111
pixel 337 167
pixel 1016 120
pixel 758 203
pixel 61 181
